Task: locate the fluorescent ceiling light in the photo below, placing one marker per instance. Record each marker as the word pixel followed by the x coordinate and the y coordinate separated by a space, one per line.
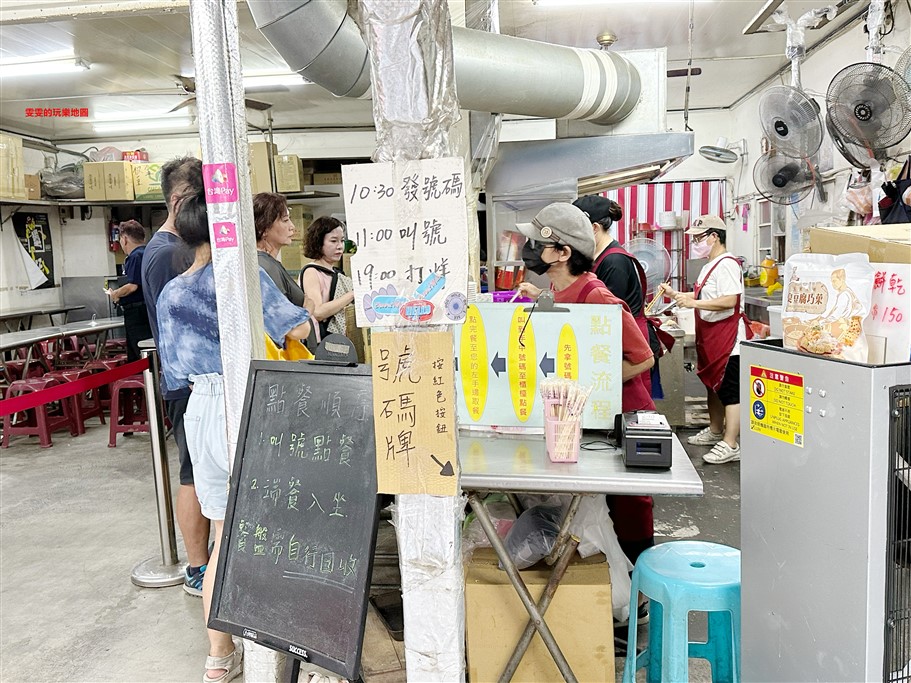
pixel 566 3
pixel 137 115
pixel 43 64
pixel 140 127
pixel 265 79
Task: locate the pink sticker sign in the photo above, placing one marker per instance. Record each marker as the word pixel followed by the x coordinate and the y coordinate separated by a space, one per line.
pixel 225 235
pixel 220 183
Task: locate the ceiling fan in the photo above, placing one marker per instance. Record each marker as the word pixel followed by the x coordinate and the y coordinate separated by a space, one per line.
pixel 188 84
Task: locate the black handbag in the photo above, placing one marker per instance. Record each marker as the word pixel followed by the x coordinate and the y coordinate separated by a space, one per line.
pixel 891 207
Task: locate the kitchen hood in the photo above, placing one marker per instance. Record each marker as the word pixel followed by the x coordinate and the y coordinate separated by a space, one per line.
pixel 579 166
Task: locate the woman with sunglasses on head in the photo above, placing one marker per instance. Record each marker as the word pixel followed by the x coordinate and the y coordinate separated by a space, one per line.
pixel 561 245
pixel 720 327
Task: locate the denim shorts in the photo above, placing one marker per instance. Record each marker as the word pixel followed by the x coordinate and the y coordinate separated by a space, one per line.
pixel 207 440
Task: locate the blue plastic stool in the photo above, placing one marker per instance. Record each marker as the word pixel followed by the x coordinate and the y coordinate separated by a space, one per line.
pixel 680 577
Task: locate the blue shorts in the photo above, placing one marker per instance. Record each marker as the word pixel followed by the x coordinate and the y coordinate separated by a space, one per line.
pixel 207 441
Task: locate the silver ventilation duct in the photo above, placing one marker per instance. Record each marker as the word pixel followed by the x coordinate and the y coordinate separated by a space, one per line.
pixel 494 73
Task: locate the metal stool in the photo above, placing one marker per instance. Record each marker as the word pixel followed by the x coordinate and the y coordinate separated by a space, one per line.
pixel 124 407
pixel 38 421
pixel 680 577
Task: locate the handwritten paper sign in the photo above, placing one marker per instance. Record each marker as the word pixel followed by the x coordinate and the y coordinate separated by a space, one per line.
pixel 410 225
pixel 890 312
pixel 300 528
pixel 503 352
pixel 413 413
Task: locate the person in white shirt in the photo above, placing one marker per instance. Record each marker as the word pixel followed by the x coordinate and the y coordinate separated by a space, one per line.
pixel 720 327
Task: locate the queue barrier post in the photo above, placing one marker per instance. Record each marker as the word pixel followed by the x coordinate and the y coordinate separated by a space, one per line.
pixel 167 570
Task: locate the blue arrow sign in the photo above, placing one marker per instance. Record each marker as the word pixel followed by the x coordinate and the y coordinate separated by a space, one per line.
pixel 547 365
pixel 498 364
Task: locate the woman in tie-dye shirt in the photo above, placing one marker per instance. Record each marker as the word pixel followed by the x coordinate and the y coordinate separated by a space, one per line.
pixel 190 350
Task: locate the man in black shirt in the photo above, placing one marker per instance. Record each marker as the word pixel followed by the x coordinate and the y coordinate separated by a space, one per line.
pixel 166 258
pixel 129 296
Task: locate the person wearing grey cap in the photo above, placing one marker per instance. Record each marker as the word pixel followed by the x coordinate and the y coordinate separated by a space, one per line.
pixel 561 245
pixel 721 325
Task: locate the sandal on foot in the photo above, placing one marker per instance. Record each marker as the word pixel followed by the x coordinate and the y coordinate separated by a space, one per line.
pixel 233 664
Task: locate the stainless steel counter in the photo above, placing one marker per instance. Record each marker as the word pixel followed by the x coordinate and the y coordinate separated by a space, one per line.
pixel 756 296
pixel 499 462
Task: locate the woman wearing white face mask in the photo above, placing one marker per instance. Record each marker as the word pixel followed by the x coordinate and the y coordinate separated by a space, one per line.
pixel 720 327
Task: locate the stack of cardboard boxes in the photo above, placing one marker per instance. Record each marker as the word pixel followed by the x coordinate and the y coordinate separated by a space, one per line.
pixel 292 174
pixel 292 256
pixel 122 181
pixel 260 179
pixel 12 168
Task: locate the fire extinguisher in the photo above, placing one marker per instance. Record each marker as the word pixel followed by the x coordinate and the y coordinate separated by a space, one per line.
pixel 114 230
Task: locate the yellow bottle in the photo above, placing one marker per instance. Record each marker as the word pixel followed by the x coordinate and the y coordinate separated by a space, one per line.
pixel 768 272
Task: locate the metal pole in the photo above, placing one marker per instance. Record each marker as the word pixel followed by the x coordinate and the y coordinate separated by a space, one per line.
pixel 515 578
pixel 169 571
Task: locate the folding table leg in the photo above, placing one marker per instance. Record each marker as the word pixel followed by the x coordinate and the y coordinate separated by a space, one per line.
pixel 553 582
pixel 484 518
pixel 563 535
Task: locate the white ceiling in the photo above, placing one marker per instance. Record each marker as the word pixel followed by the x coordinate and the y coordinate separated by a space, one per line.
pixel 134 57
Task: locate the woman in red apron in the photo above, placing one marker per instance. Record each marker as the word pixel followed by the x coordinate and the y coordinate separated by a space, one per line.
pixel 720 325
pixel 625 278
pixel 561 248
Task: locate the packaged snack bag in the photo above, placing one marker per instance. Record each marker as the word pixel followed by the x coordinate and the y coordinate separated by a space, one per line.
pixel 826 299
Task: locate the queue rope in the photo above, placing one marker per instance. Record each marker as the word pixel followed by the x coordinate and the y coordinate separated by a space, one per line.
pixel 18 404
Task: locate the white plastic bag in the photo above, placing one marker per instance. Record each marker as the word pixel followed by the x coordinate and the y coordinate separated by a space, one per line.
pixel 826 299
pixel 593 525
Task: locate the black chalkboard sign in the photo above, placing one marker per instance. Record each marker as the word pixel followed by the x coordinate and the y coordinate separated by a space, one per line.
pixel 300 529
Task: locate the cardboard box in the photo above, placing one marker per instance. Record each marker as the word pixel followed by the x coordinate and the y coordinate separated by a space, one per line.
pixel 327 178
pixel 302 217
pixel 292 257
pixel 580 618
pixel 147 181
pixel 883 243
pixel 289 176
pixel 93 177
pixel 118 180
pixel 260 154
pixel 32 186
pixel 12 168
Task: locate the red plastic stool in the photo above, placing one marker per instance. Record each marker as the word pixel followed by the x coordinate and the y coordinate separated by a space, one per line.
pixel 116 345
pixel 101 365
pixel 38 421
pixel 85 405
pixel 133 412
pixel 16 369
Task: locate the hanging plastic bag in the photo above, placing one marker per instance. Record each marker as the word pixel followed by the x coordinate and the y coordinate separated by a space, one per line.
pixel 895 206
pixel 533 535
pixel 593 525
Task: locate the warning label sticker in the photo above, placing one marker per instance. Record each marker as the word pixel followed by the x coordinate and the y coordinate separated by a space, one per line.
pixel 776 404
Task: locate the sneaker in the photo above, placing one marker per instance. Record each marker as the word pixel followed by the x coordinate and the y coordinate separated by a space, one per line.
pixel 192 584
pixel 722 453
pixel 705 438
